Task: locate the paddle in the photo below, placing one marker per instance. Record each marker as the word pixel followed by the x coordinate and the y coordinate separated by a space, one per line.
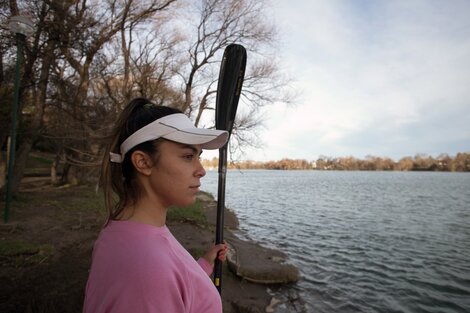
pixel 232 71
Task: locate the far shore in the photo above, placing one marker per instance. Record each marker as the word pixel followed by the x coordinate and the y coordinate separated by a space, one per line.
pixel 420 162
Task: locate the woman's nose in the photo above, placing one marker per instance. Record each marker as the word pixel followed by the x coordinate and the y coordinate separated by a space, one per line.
pixel 200 171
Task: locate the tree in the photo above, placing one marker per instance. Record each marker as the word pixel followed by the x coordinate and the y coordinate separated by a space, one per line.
pixel 405 164
pixel 87 59
pixel 69 37
pixel 444 162
pixel 34 82
pixel 324 163
pixel 422 162
pixel 462 162
pixel 348 163
pixel 219 23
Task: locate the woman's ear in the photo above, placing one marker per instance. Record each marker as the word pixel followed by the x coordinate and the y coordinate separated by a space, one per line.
pixel 142 162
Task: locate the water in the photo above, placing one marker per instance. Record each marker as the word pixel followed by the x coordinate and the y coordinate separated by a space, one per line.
pixel 363 241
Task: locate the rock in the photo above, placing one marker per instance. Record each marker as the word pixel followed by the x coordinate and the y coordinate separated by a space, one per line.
pixel 258 264
pixel 272 304
pixel 247 259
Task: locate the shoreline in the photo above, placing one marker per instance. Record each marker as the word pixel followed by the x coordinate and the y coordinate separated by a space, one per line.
pixel 45 252
pixel 266 270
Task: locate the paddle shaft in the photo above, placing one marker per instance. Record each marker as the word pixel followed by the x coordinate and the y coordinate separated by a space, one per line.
pixel 219 234
pixel 229 87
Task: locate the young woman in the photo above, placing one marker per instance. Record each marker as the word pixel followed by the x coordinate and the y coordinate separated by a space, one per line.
pixel 138 266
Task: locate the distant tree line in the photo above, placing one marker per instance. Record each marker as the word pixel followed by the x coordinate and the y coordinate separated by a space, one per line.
pixel 420 162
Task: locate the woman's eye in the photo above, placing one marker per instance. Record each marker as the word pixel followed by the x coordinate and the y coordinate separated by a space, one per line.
pixel 189 156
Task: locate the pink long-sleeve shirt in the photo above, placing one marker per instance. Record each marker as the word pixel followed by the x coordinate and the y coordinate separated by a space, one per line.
pixel 139 268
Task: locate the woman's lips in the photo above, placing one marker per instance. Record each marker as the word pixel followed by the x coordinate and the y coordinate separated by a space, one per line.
pixel 195 187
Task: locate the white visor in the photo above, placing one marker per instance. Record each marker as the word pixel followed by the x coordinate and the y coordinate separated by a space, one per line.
pixel 175 127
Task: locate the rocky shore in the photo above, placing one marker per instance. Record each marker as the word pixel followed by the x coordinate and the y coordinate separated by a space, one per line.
pixel 258 275
pixel 45 254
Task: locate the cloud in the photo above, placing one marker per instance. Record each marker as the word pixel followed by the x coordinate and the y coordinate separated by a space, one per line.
pixel 377 77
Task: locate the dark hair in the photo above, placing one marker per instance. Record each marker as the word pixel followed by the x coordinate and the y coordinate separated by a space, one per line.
pixel 119 178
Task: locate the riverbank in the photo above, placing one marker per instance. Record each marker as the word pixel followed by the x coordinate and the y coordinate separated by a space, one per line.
pixel 45 251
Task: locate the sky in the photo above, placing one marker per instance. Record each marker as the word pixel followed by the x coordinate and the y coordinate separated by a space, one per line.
pixel 381 78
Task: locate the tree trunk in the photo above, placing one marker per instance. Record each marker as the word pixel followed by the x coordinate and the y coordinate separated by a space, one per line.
pixel 69 175
pixel 54 170
pixel 20 163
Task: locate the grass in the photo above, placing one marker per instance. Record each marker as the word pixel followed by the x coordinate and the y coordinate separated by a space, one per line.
pixel 87 200
pixel 192 213
pixel 19 253
pixel 38 165
pixel 24 199
pixel 38 161
pixel 78 199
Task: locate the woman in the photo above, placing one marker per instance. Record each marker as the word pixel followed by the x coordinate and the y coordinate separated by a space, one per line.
pixel 138 266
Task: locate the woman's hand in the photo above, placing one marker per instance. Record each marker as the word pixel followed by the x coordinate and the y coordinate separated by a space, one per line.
pixel 217 251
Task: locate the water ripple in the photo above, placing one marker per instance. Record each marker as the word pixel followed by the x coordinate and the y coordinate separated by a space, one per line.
pixel 364 241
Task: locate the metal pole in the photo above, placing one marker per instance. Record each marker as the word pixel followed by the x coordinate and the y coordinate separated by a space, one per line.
pixel 14 112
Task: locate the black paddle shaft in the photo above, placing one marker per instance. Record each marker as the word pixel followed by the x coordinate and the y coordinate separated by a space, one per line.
pixel 232 72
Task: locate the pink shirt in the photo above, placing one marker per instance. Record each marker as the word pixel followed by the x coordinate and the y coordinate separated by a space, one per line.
pixel 139 268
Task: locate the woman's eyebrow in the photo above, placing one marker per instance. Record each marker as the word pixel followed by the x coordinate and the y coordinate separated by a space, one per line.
pixel 192 148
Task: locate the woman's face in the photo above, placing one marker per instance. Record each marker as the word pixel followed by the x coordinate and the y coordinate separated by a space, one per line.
pixel 175 178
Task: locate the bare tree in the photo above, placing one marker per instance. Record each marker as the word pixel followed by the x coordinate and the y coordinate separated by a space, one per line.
pixel 69 37
pixel 103 23
pixel 38 58
pixel 87 59
pixel 218 23
pixel 143 66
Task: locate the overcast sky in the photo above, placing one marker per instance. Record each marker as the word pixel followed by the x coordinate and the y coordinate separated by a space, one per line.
pixel 382 78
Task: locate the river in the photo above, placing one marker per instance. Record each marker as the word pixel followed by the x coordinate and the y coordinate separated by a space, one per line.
pixel 363 241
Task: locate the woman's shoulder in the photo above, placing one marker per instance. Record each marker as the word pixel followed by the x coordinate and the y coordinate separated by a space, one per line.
pixel 125 240
pixel 137 252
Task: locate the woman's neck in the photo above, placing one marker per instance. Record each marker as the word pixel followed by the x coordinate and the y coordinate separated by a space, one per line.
pixel 145 211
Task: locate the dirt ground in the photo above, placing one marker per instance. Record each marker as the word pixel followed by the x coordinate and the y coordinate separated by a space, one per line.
pixel 45 252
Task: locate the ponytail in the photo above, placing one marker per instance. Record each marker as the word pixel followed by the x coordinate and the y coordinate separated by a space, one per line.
pixel 118 179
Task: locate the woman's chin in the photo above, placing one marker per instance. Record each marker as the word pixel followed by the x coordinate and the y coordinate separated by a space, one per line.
pixel 186 202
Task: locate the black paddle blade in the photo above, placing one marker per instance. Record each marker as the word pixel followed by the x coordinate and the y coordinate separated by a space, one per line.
pixel 232 72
